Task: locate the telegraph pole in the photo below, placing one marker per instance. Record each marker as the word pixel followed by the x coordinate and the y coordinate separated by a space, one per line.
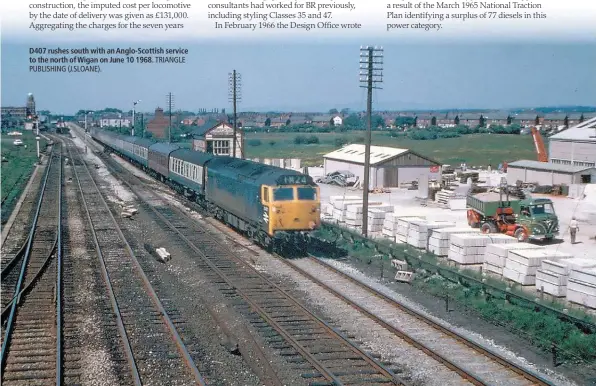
pixel 170 99
pixel 371 73
pixel 134 107
pixel 235 80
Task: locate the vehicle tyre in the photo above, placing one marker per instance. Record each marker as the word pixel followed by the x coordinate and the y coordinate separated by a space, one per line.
pixel 521 235
pixel 488 227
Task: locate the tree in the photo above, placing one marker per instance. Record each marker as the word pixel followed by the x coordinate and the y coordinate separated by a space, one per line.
pixel 268 122
pixel 377 121
pixel 333 111
pixel 581 119
pixel 433 121
pixel 509 119
pixel 482 121
pixel 331 122
pixel 354 122
pixel 404 121
pixel 345 111
pixel 566 121
pixel 456 120
pixel 288 122
pixel 537 120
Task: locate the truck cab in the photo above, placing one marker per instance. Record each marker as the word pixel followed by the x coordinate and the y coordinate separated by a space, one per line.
pixel 538 218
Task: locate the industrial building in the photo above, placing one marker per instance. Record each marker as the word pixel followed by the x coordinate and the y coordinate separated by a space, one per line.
pixel 389 167
pixel 549 174
pixel 575 146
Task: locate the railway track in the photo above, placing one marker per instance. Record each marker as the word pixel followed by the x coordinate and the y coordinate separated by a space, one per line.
pixel 32 292
pixel 319 352
pixel 474 363
pixel 154 351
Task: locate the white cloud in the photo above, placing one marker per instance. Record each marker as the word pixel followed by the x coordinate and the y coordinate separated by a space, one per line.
pixel 570 20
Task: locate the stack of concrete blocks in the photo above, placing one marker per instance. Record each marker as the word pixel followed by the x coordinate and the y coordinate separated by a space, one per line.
pixel 403 226
pixel 327 211
pixel 440 239
pixel 336 202
pixel 495 256
pixel 419 232
pixel 354 213
pixel 467 250
pixel 552 277
pixel 522 264
pixel 581 287
pixel 376 217
pixel 390 224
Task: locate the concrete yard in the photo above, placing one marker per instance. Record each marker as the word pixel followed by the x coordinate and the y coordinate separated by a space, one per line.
pixel 406 203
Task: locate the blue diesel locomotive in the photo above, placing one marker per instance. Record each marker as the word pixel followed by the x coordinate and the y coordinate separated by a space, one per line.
pixel 274 207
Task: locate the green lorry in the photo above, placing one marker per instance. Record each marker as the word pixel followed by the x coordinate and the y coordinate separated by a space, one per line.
pixel 530 218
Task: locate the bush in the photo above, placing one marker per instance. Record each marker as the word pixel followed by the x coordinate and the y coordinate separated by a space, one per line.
pixel 339 142
pixel 302 139
pixel 254 142
pixel 271 143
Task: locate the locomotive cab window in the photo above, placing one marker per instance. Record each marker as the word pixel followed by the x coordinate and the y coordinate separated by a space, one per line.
pixel 265 194
pixel 283 194
pixel 307 194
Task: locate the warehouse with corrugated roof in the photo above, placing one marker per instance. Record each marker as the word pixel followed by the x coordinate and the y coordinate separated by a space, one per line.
pixel 575 146
pixel 389 166
pixel 549 174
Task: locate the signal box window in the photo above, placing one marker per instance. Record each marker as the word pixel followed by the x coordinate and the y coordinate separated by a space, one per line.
pixel 283 194
pixel 307 194
pixel 266 194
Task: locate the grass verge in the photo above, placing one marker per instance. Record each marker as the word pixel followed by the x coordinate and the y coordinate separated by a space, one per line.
pixel 15 172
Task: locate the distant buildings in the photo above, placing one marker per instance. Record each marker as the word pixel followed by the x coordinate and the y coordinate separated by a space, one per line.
pixel 115 120
pixel 158 126
pixel 13 116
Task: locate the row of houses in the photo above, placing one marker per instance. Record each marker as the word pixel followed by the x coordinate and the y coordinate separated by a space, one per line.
pixel 421 120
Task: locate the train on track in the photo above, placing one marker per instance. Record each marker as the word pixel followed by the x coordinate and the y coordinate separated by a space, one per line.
pixel 275 207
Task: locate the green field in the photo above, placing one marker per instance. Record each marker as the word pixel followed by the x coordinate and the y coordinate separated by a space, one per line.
pixel 18 168
pixel 474 149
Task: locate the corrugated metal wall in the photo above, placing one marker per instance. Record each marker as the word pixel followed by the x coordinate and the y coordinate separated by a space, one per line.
pixel 572 151
pixel 538 176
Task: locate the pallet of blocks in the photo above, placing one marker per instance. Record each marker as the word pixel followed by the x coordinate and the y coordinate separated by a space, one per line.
pixel 467 250
pixel 552 276
pixel 340 206
pixel 403 225
pixel 440 238
pixel 581 287
pixel 390 224
pixel 495 255
pixel 419 232
pixel 521 264
pixel 375 220
pixel 443 196
pixel 354 213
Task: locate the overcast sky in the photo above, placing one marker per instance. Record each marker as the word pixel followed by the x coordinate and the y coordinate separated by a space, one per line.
pixel 317 77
